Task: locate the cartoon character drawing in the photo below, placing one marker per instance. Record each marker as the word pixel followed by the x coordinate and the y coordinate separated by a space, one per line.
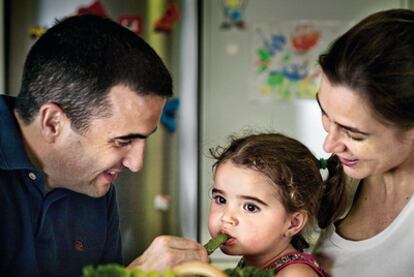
pixel 233 13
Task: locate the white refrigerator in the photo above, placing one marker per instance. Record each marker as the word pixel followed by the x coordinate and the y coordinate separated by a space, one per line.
pixel 243 89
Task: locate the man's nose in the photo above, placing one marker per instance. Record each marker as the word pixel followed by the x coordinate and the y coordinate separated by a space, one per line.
pixel 134 158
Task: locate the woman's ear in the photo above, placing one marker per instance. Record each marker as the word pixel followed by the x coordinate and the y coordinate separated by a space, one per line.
pixel 298 220
pixel 51 118
pixel 410 133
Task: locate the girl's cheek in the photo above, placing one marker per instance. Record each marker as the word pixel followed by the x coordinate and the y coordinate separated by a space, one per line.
pixel 213 224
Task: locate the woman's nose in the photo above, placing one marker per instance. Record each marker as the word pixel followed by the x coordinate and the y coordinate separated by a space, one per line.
pixel 333 141
pixel 134 158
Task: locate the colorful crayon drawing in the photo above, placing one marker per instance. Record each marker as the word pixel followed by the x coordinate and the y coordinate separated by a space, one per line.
pixel 285 57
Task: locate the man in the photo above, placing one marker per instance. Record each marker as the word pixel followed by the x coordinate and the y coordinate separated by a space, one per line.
pixel 92 93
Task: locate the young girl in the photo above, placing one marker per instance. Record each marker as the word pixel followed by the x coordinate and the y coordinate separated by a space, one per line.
pixel 267 189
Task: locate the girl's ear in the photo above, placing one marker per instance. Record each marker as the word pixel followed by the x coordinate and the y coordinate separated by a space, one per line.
pixel 298 220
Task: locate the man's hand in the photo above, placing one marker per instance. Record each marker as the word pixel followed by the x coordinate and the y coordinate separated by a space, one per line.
pixel 168 251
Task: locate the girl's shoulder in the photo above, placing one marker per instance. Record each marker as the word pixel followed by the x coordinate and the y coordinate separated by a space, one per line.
pixel 299 263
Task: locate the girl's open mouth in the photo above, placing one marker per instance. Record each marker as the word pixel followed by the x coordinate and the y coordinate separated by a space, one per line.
pixel 231 241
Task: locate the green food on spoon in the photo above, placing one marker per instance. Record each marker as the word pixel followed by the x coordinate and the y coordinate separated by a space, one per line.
pixel 214 243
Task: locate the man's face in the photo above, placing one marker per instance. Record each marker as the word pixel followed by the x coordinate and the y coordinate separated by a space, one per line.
pixel 90 163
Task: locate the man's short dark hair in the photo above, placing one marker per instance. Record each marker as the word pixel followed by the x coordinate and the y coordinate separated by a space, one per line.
pixel 77 62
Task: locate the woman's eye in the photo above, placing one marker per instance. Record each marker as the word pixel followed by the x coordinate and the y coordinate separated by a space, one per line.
pixel 352 137
pixel 325 122
pixel 219 200
pixel 251 208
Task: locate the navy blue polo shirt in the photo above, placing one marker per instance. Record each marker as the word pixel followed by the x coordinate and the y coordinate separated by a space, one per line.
pixel 48 234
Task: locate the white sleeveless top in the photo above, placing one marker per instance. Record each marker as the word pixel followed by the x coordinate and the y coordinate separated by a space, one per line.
pixel 389 253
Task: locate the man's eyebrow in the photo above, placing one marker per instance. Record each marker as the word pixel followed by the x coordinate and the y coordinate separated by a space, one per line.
pixel 351 129
pixel 135 136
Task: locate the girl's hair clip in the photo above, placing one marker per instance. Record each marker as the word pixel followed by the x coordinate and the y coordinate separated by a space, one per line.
pixel 323 168
pixel 323 163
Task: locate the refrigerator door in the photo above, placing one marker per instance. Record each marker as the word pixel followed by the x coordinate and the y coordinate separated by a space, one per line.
pixel 229 102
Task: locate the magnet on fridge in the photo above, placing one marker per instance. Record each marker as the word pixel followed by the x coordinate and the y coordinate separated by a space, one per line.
pixel 132 22
pixel 233 13
pixel 232 49
pixel 169 113
pixel 162 202
pixel 36 31
pixel 95 8
pixel 166 22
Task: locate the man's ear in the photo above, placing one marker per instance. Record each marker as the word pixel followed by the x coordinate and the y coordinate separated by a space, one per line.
pixel 52 118
pixel 298 220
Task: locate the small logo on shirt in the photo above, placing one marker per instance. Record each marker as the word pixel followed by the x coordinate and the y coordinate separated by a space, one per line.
pixel 79 246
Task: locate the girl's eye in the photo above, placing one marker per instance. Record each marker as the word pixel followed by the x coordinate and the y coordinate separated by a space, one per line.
pixel 122 142
pixel 251 208
pixel 220 200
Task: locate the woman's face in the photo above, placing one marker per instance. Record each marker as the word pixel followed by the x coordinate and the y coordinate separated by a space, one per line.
pixel 364 145
pixel 247 207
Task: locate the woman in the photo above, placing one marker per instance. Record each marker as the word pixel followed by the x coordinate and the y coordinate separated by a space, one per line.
pixel 367 103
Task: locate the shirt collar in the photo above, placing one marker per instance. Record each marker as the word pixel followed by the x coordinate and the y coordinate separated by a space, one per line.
pixel 12 153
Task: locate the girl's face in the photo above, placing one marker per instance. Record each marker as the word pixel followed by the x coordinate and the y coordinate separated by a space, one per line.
pixel 246 206
pixel 364 145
